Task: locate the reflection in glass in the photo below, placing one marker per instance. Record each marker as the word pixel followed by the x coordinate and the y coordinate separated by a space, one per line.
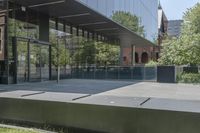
pixel 44 62
pixel 22 68
pixel 35 71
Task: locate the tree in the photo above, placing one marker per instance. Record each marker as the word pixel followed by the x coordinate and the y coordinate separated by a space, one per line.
pixel 181 51
pixel 85 54
pixel 129 21
pixel 58 50
pixel 99 53
pixel 186 48
pixel 192 20
pixel 107 54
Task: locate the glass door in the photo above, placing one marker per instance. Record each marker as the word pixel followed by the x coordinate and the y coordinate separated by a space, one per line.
pixel 35 63
pixel 22 61
pixel 32 63
pixel 44 62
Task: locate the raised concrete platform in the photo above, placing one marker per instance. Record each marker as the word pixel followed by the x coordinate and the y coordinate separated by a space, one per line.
pixel 112 111
pixel 158 90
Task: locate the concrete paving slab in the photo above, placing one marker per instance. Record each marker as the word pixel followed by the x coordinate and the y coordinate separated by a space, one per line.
pixel 18 93
pixel 158 90
pixel 112 101
pixel 113 88
pixel 71 86
pixel 53 96
pixel 142 102
pixel 172 105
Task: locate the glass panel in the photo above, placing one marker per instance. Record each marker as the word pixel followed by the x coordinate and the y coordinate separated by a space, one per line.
pixel 22 68
pixel 44 62
pixel 150 73
pixel 112 73
pixel 88 72
pixel 35 63
pixel 100 73
pixel 138 73
pixel 125 73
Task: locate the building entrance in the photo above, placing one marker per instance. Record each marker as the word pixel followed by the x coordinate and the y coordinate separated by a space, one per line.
pixel 31 60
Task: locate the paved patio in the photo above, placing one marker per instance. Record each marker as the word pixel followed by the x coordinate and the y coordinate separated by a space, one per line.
pixel 113 88
pixel 105 106
pixel 69 86
pixel 158 90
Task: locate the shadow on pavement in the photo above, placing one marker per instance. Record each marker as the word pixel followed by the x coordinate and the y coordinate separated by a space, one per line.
pixel 70 86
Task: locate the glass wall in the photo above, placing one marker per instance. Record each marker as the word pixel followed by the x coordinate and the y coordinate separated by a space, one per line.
pixel 74 52
pixel 3 39
pixel 146 10
pixel 32 60
pixel 77 52
pixel 72 48
pixel 60 39
pixel 28 57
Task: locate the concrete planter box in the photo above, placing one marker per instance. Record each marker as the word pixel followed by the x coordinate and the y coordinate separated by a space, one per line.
pixel 166 74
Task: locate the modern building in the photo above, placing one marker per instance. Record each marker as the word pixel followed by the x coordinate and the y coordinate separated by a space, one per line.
pixel 146 11
pixel 174 28
pixel 35 32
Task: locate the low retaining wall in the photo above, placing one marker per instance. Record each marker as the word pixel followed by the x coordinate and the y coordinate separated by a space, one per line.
pixel 102 118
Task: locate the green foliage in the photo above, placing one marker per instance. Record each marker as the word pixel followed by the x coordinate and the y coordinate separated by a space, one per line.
pixel 151 64
pixel 8 130
pixel 60 55
pixel 188 78
pixel 186 48
pixel 192 20
pixel 85 54
pixel 128 20
pixel 107 54
pixel 181 51
pixel 99 53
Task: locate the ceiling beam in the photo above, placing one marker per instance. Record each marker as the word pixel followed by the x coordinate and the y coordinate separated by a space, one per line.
pixel 75 15
pixel 47 4
pixel 95 23
pixel 106 29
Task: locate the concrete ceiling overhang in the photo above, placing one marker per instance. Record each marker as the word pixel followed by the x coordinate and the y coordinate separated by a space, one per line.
pixel 76 13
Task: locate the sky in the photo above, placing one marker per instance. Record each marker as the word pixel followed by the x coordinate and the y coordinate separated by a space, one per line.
pixel 174 9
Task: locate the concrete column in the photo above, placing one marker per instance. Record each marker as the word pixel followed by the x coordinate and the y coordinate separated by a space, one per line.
pixel 44 28
pixel 121 55
pixel 133 55
pixel 140 58
pixel 124 43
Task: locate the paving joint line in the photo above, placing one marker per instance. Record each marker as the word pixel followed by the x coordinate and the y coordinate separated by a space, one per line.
pixel 33 94
pixel 145 101
pixel 78 98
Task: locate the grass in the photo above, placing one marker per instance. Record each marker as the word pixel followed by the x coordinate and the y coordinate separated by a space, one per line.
pixel 9 130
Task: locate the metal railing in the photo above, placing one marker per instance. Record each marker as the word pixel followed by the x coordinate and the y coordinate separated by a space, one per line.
pixel 109 72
